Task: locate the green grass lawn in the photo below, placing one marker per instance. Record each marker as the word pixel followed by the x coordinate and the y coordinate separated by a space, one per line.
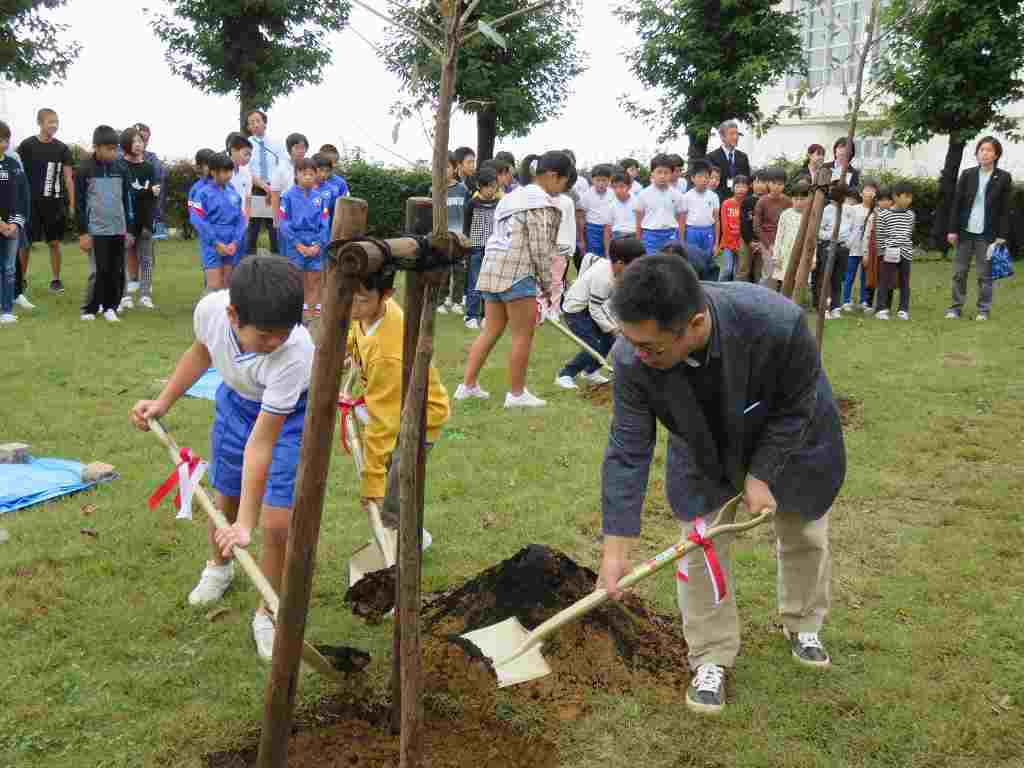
pixel 105 664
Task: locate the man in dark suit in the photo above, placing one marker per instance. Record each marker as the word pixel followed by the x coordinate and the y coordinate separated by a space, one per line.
pixel 730 161
pixel 979 218
pixel 732 371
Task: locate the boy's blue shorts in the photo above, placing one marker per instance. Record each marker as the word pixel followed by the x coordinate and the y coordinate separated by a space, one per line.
pixel 656 239
pixel 233 420
pixel 301 262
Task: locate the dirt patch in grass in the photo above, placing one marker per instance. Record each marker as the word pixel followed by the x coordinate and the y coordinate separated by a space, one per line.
pixel 615 648
pixel 850 412
pixel 600 395
pixel 959 360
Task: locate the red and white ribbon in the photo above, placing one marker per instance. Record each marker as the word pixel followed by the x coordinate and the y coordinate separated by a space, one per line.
pixel 347 405
pixel 710 560
pixel 186 476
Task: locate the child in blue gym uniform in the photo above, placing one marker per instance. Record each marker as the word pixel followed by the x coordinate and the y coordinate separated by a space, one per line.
pixel 217 216
pixel 253 336
pixel 659 208
pixel 305 225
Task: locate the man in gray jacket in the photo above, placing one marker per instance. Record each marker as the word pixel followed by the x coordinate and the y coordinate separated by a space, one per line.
pixel 732 372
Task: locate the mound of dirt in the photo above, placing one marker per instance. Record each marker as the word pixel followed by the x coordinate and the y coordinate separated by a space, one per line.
pixel 850 411
pixel 600 395
pixel 373 596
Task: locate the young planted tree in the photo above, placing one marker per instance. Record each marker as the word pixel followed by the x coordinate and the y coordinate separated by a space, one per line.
pixel 257 49
pixel 952 72
pixel 31 51
pixel 709 60
pixel 509 88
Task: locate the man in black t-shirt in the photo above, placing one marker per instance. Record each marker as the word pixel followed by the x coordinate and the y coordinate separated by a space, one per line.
pixel 47 163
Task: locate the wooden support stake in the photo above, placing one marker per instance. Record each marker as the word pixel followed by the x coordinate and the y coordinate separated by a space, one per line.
pixel 801 268
pixel 342 279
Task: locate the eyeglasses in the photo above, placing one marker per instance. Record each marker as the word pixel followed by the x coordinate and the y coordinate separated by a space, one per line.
pixel 653 350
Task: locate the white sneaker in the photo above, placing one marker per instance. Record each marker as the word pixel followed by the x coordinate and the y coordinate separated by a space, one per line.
pixel 566 382
pixel 458 309
pixel 526 400
pixel 132 286
pixel 213 583
pixel 472 324
pixel 462 392
pixel 981 317
pixel 869 310
pixel 23 302
pixel 596 377
pixel 8 319
pixel 146 302
pixel 111 316
pixel 263 634
pixel 903 315
pixel 883 314
pixel 126 303
pixel 442 309
pixel 88 316
pixel 847 307
pixel 952 314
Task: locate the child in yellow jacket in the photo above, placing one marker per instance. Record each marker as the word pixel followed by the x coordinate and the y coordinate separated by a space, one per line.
pixel 375 343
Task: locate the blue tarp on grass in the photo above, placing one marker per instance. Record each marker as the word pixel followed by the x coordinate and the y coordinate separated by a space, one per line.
pixel 22 485
pixel 206 387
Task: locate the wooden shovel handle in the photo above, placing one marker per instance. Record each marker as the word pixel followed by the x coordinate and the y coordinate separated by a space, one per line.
pixel 598 596
pixel 309 654
pixel 581 344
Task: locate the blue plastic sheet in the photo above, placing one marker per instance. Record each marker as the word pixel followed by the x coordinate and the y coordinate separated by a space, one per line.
pixel 206 387
pixel 22 485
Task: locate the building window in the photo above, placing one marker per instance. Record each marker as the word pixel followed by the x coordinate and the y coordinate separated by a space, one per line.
pixel 831 30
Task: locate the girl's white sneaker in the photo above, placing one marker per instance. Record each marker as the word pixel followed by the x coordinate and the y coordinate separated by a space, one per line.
pixel 462 392
pixel 526 400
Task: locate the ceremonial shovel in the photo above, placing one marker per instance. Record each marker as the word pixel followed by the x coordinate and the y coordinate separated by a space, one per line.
pixel 310 655
pixel 516 653
pixel 581 344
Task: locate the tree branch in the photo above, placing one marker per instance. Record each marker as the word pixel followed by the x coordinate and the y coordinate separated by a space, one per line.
pixel 469 10
pixel 394 22
pixel 508 17
pixel 420 15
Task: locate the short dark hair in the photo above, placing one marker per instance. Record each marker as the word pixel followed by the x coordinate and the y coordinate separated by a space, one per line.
pixel 128 138
pixel 329 148
pixel 505 157
pixel 486 176
pixel 761 174
pixel 105 136
pixel 238 140
pixel 869 182
pixel 676 249
pixel 140 127
pixel 715 170
pixel 293 139
pixel 884 193
pixel 777 174
pixel 462 153
pixel 321 160
pixel 45 112
pixel 252 112
pixel 602 170
pixel 815 148
pixel 220 161
pixel 629 162
pixel 997 146
pixel 700 166
pixel 5 131
pixel 619 177
pixel 626 249
pixel 203 156
pixel 802 186
pixel 842 142
pixel 266 292
pixel 500 165
pixel 740 179
pixel 661 161
pixel 305 164
pixel 902 188
pixel 677 161
pixel 381 280
pixel 452 162
pixel 662 288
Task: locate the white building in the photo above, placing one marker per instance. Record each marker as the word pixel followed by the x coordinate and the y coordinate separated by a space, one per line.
pixel 825 118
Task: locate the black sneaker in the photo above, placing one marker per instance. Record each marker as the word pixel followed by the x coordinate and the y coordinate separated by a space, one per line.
pixel 706 693
pixel 56 286
pixel 807 649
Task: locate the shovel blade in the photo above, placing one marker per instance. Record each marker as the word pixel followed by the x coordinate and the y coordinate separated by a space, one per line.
pixel 501 640
pixel 364 560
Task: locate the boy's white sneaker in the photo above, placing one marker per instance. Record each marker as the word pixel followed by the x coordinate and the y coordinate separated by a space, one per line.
pixel 526 400
pixel 127 302
pixel 213 583
pixel 847 307
pixel 146 302
pixel 88 316
pixel 462 392
pixel 472 324
pixel 8 319
pixel 596 377
pixel 883 314
pixel 263 634
pixel 458 309
pixel 111 316
pixel 903 315
pixel 442 309
pixel 566 382
pixel 132 286
pixel 23 302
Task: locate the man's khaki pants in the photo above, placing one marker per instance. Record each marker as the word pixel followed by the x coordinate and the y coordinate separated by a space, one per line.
pixel 713 631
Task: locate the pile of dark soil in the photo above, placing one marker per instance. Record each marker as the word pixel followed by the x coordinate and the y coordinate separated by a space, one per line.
pixel 850 412
pixel 468 720
pixel 600 395
pixel 373 596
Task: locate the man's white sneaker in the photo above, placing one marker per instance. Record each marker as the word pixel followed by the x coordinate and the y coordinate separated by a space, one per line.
pixel 566 382
pixel 126 303
pixel 147 303
pixel 263 634
pixel 213 583
pixel 706 692
pixel 88 316
pixel 23 302
pixel 462 392
pixel 525 400
pixel 472 324
pixel 596 378
pixel 111 316
pixel 132 286
pixel 807 649
pixel 8 319
pixel 883 314
pixel 903 315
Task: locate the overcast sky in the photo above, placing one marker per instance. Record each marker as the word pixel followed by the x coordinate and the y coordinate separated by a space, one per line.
pixel 121 77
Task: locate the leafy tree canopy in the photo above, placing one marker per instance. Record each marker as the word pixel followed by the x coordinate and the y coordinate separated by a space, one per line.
pixel 31 52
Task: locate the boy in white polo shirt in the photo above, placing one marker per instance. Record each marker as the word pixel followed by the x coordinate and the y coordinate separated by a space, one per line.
pixel 659 208
pixel 623 215
pixel 253 336
pixel 593 212
pixel 700 211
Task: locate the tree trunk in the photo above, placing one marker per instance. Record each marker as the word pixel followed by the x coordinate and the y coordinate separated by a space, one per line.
pixel 442 130
pixel 947 188
pixel 246 103
pixel 698 147
pixel 486 133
